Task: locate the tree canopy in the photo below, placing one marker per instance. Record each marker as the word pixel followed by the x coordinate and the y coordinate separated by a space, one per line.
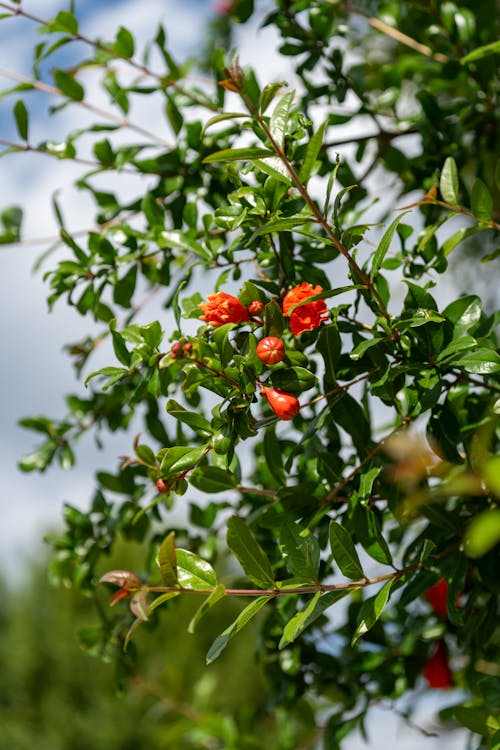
pixel 310 422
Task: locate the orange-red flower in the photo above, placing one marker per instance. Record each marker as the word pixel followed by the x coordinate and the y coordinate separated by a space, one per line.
pixel 437 671
pixel 223 308
pixel 308 315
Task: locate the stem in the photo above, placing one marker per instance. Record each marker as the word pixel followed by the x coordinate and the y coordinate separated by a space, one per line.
pixel 53 91
pixel 322 221
pixel 76 159
pixel 397 35
pixel 309 589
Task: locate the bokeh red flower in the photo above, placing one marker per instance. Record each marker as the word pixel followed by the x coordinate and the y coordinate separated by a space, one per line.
pixel 223 308
pixel 436 670
pixel 307 315
pixel 436 596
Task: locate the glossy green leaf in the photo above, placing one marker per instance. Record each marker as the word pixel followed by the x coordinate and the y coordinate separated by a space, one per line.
pixel 481 201
pixel 250 554
pixel 212 479
pixel 368 531
pixel 314 609
pixel 250 611
pixel 300 550
pixel 385 244
pixel 480 362
pixel 296 625
pixel 193 572
pixel 195 420
pixel 238 154
pixel 344 552
pixel 448 183
pixel 293 379
pixel 167 561
pixel 371 610
pixel 312 152
pixel 179 459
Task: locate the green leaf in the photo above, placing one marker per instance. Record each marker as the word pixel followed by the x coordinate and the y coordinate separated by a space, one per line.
pixel 367 529
pixel 301 620
pixel 216 595
pixel 22 119
pixel 344 552
pixel 124 43
pixel 194 420
pixel 279 118
pixel 193 572
pixel 268 94
pixel 448 182
pixel 480 362
pixel 293 379
pixel 312 151
pixel 385 244
pixel 212 479
pixel 484 51
pixel 243 618
pixel 329 346
pixel 481 201
pixel 125 287
pixel 371 610
pixel 183 242
pixel 238 154
pixel 180 459
pixel 167 561
pixel 68 85
pixel 482 534
pixel 296 625
pixel 250 554
pixel 300 550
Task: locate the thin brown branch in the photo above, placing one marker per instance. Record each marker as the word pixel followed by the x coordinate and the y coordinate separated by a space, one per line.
pixel 28 147
pixel 111 116
pixel 17 10
pixel 397 35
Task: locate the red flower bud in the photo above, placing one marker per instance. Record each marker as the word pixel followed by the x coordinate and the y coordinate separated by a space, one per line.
pixel 436 670
pixel 270 350
pixel 255 307
pixel 307 315
pixel 284 405
pixel 162 486
pixel 223 308
pixel 176 349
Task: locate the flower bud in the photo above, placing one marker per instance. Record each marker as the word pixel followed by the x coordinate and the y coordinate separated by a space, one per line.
pixel 270 350
pixel 255 307
pixel 162 486
pixel 285 405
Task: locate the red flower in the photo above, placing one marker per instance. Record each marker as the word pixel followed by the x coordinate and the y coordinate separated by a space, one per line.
pixel 436 670
pixel 223 308
pixel 436 596
pixel 270 350
pixel 285 405
pixel 308 315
